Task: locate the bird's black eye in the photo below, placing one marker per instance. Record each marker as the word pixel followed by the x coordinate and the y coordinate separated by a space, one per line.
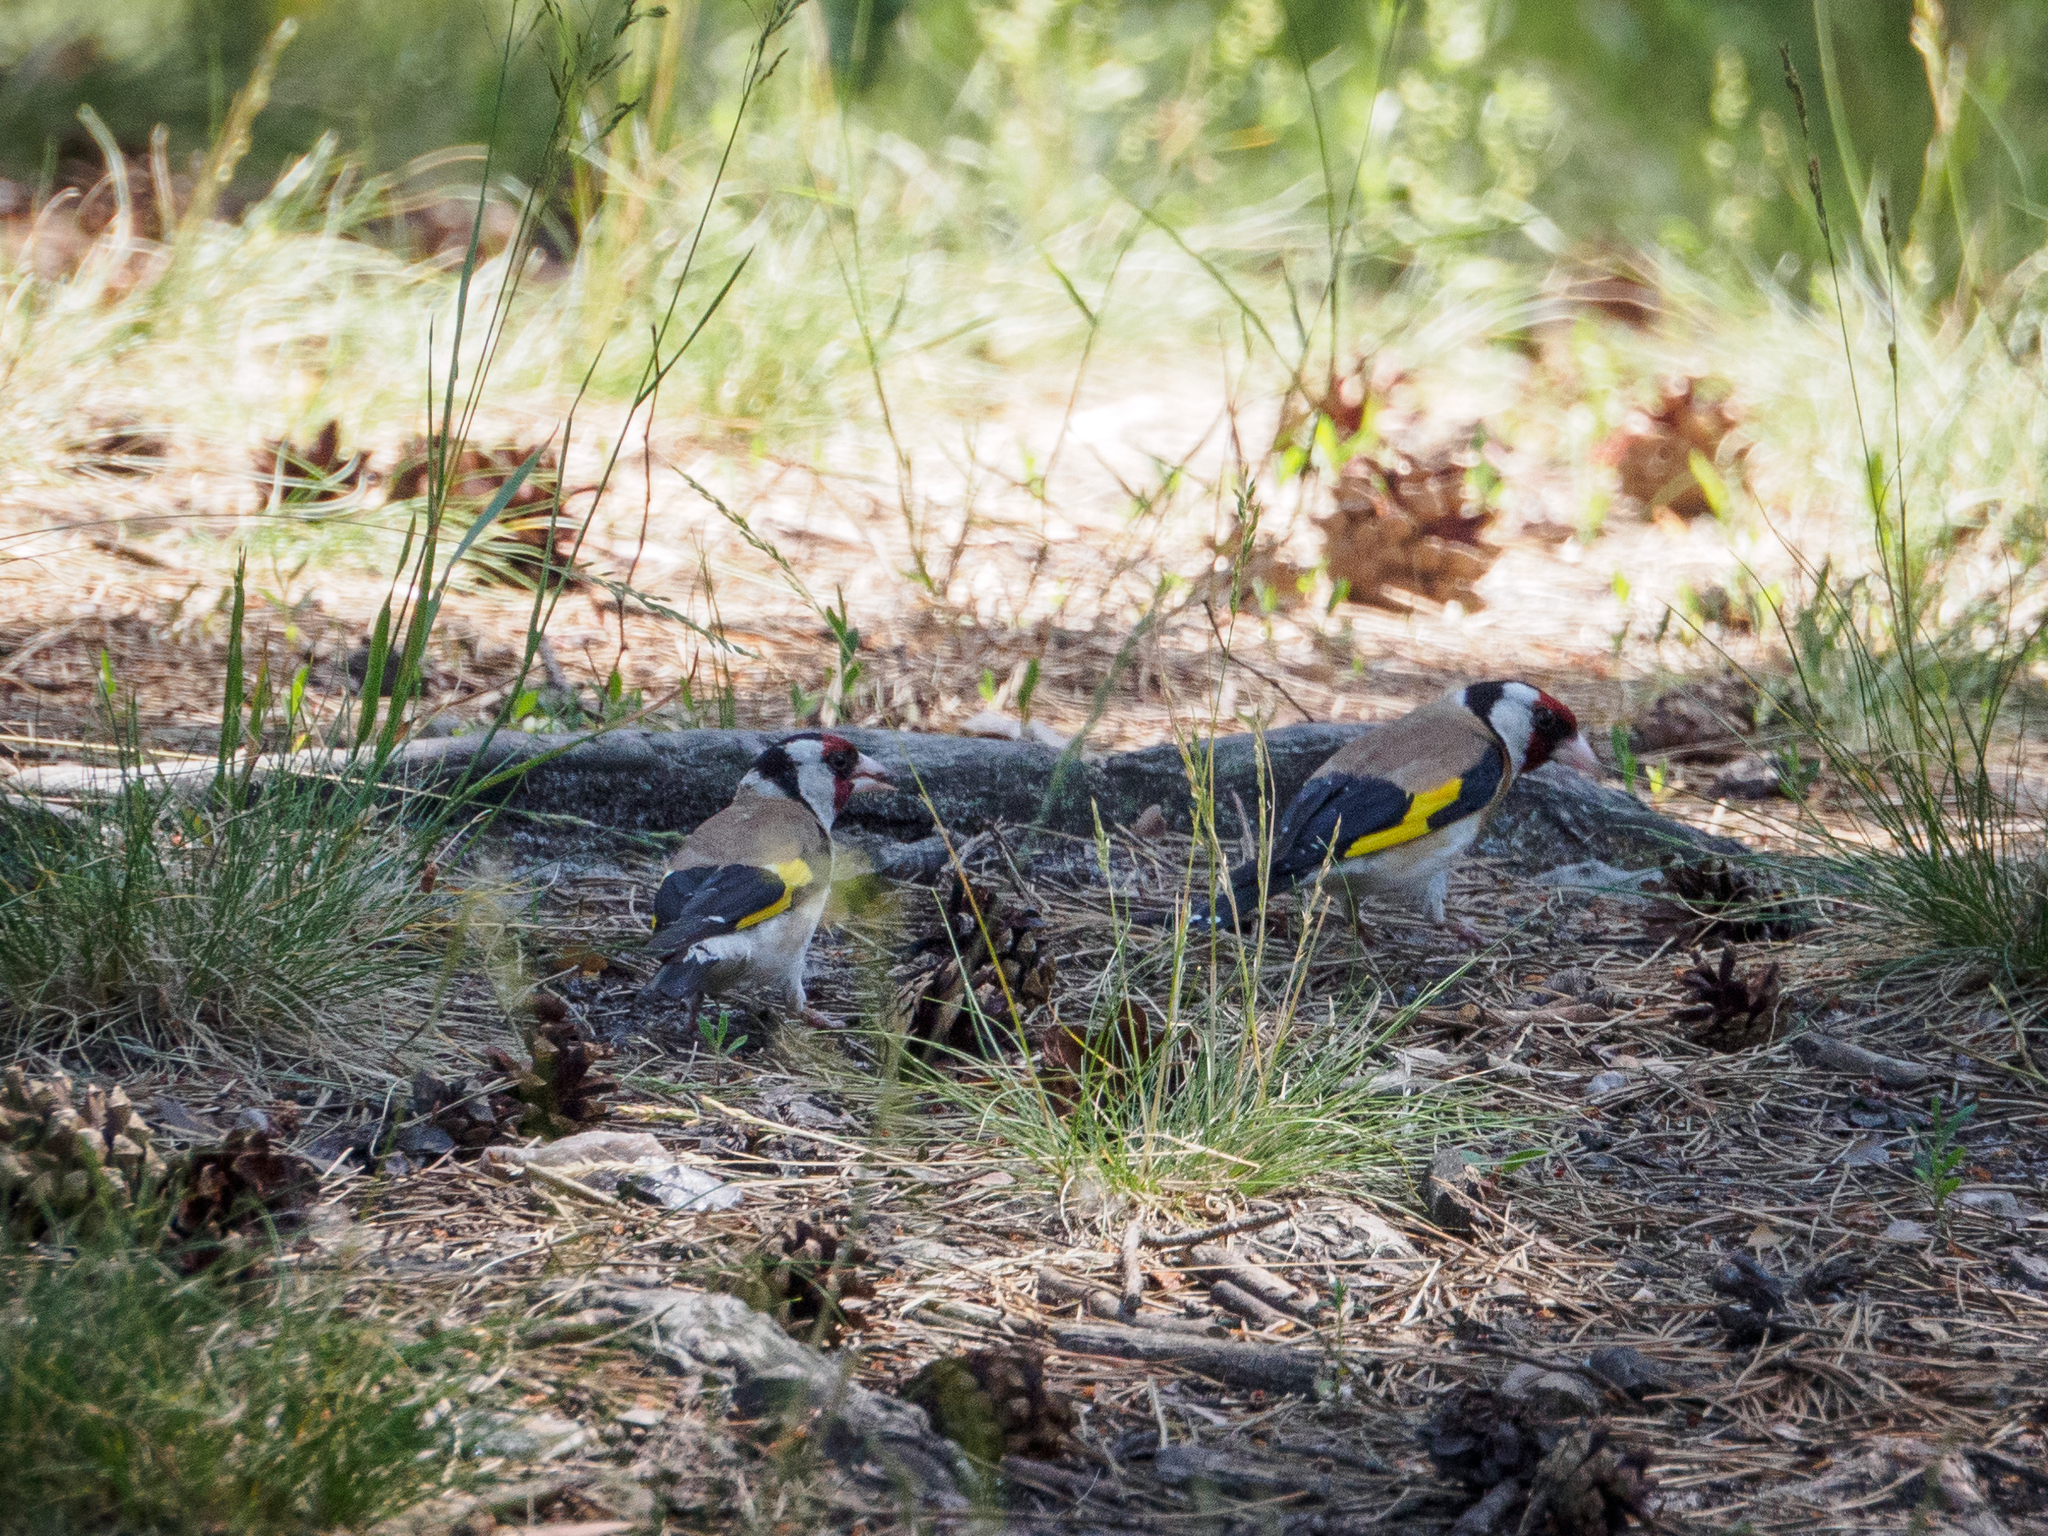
pixel 840 760
pixel 1544 718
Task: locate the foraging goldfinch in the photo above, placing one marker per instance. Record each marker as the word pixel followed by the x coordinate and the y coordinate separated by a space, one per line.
pixel 743 894
pixel 1391 812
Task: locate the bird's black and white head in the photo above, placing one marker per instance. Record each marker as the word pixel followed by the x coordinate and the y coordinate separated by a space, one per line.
pixel 820 769
pixel 1533 726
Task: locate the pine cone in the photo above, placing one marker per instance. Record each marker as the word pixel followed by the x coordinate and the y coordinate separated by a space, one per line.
pixel 811 1280
pixel 558 1088
pixel 989 946
pixel 1710 900
pixel 1477 1438
pixel 994 1402
pixel 1733 1012
pixel 1097 1056
pixel 471 1117
pixel 1587 1486
pixel 65 1154
pixel 229 1195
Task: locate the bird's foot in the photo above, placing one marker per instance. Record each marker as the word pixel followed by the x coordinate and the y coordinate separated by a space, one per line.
pixel 818 1020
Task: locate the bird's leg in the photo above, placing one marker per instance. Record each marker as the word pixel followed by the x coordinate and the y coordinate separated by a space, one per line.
pixel 1433 905
pixel 1356 917
pixel 801 1003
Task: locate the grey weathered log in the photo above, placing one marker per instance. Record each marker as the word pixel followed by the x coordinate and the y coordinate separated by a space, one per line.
pixel 1250 1367
pixel 669 781
pixel 771 1374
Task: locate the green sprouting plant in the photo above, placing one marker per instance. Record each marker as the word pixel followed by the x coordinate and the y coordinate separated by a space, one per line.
pixel 846 667
pixel 1940 1155
pixel 1624 756
pixel 715 1030
pixel 1027 689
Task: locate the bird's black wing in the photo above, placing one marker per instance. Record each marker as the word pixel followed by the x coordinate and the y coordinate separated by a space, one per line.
pixel 1357 814
pixel 700 903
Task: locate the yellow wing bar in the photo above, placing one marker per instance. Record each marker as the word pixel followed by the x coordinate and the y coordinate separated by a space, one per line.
pixel 1414 821
pixel 795 875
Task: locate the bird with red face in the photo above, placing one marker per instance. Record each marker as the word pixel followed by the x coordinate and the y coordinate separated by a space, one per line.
pixel 1392 812
pixel 742 896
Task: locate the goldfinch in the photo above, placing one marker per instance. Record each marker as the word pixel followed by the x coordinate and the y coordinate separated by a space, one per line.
pixel 1391 812
pixel 742 896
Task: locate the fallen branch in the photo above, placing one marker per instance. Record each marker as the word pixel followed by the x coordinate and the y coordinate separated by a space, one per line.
pixel 1210 1234
pixel 1248 1367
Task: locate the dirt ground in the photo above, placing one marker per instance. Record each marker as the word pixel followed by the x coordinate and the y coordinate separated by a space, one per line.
pixel 1732 1205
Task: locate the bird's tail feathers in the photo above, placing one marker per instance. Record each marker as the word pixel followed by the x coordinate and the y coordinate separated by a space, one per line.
pixel 680 980
pixel 1236 904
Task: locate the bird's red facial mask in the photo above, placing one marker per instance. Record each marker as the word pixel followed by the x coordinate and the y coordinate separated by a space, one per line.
pixel 1554 732
pixel 853 772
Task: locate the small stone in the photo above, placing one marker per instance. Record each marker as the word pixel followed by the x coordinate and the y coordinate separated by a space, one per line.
pixel 1150 825
pixel 2029 1269
pixel 1990 1202
pixel 1606 1082
pixel 1626 1370
pixel 424 1142
pixel 679 1187
pixel 1904 1232
pixel 643 1418
pixel 1552 1395
pixel 1038 733
pixel 1448 1194
pixel 1748 778
pixel 992 723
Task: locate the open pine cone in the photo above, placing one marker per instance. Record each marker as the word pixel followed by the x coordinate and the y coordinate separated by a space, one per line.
pixel 1100 1055
pixel 810 1279
pixel 558 1087
pixel 1708 901
pixel 994 1402
pixel 988 946
pixel 1478 1438
pixel 64 1154
pixel 471 1117
pixel 1733 1012
pixel 1589 1486
pixel 228 1197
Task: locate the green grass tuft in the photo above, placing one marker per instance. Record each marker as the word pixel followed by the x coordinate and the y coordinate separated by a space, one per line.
pixel 132 1400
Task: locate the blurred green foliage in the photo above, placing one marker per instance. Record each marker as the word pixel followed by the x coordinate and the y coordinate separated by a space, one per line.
pixel 1621 120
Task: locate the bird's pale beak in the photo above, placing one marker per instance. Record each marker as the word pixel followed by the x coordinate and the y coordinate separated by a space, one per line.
pixel 870 777
pixel 1573 752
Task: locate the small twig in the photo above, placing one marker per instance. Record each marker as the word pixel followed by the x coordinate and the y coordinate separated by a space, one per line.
pixel 1134 1277
pixel 569 1186
pixel 1232 1297
pixel 1209 1234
